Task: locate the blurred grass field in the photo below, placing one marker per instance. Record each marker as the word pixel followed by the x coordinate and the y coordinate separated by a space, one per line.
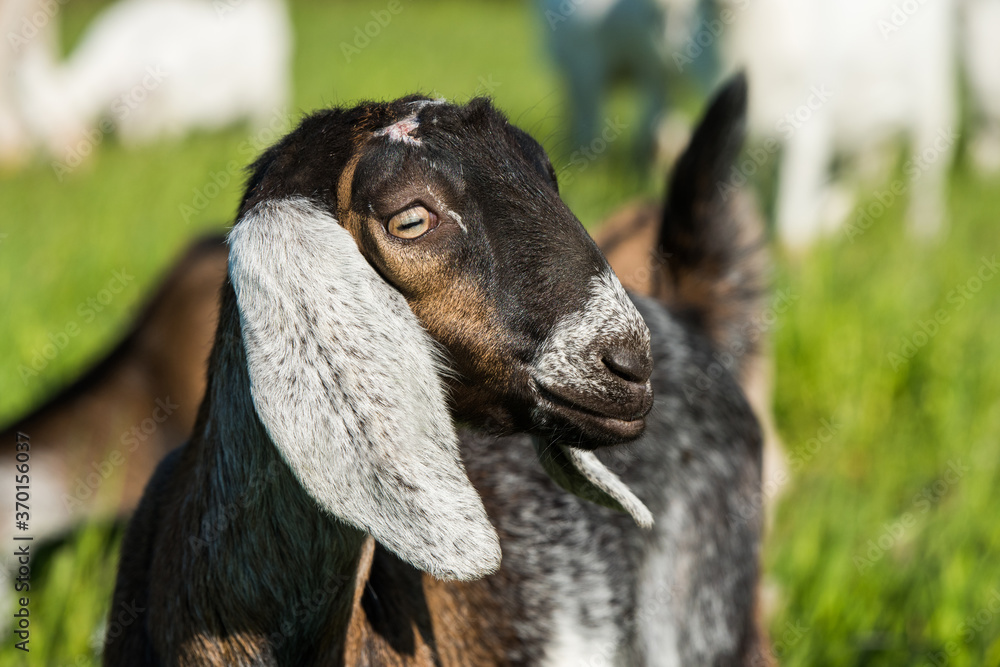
pixel 886 547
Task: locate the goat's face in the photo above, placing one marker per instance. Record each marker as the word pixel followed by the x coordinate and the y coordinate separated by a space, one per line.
pixel 460 212
pixel 369 234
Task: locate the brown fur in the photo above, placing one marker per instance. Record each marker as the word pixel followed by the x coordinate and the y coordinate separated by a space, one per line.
pixel 629 240
pixel 432 622
pixel 449 624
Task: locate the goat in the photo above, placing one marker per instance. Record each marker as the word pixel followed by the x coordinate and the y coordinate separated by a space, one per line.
pixel 591 43
pixel 13 143
pixel 844 78
pixel 325 444
pixel 165 352
pixel 160 68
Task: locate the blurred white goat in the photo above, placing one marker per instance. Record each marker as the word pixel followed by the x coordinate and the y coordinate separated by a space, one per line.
pixel 20 32
pixel 845 78
pixel 981 45
pixel 159 68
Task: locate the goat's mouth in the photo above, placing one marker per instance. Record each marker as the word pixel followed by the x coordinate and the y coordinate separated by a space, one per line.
pixel 599 420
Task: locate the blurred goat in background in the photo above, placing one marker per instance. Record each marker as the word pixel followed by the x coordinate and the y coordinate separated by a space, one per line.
pixel 595 42
pixel 18 25
pixel 844 80
pixel 838 85
pixel 148 69
pixel 981 42
pixel 840 79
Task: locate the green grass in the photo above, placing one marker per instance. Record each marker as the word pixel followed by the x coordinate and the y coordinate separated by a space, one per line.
pixel 881 464
pixel 885 545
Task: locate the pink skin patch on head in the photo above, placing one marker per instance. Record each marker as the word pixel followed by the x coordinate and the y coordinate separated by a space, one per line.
pixel 401 131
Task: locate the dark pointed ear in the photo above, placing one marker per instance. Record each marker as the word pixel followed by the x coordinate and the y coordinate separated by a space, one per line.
pixel 712 234
pixel 699 180
pixel 344 377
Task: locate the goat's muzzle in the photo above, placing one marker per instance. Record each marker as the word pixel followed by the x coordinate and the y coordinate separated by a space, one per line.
pixel 610 406
pixel 592 379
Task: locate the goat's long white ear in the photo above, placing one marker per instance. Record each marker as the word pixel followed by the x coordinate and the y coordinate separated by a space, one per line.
pixel 344 379
pixel 582 473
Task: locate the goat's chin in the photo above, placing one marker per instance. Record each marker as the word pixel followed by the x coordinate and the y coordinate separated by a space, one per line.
pixel 494 422
pixel 572 425
pixel 585 430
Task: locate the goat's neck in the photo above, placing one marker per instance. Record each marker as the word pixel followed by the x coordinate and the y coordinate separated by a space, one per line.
pixel 286 570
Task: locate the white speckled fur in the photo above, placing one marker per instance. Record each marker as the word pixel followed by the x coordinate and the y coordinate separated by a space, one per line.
pixel 447 211
pixel 598 474
pixel 573 644
pixel 344 380
pixel 563 360
pixel 402 131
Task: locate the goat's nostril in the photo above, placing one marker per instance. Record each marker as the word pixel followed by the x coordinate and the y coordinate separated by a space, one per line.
pixel 628 364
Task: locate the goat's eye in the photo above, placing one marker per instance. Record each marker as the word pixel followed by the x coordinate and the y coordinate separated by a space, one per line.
pixel 412 222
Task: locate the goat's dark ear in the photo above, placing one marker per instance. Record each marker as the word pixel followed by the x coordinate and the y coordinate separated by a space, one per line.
pixel 345 381
pixel 712 233
pixel 699 176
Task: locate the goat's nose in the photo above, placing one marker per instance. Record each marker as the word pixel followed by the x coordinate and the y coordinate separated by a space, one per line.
pixel 628 363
